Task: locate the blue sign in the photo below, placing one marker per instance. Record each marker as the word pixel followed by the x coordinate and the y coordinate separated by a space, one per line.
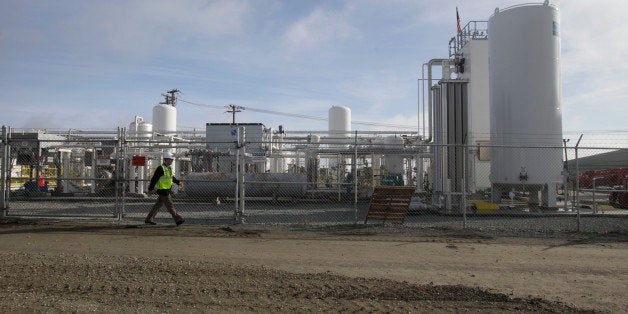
pixel 234 132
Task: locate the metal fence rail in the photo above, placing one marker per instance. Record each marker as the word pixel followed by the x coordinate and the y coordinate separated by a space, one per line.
pixel 106 176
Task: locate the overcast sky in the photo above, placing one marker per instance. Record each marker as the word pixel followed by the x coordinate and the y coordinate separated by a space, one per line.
pixel 96 64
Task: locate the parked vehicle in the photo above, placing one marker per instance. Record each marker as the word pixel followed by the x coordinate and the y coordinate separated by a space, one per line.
pixel 619 198
pixel 606 177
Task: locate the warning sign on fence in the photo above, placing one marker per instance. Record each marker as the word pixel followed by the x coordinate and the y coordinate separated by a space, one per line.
pixel 104 160
pixel 138 161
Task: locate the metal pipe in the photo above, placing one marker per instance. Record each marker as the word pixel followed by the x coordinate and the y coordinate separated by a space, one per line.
pixel 594 199
pixel 429 98
pixel 420 109
pixel 426 139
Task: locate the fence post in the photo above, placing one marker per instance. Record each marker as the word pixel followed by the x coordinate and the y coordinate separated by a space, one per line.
pixel 577 178
pixel 240 171
pixel 565 176
pixel 119 187
pixel 354 171
pixel 3 177
pixel 124 172
pixel 463 196
pixel 236 199
pixel 338 174
pixel 242 176
pixel 594 197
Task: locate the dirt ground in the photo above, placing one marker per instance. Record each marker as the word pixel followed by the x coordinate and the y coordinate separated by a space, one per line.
pixel 103 267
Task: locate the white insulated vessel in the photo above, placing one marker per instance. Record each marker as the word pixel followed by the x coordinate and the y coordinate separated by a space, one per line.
pixel 339 121
pixel 475 52
pixel 165 119
pixel 339 131
pixel 525 98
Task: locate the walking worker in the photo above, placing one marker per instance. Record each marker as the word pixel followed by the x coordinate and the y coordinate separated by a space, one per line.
pixel 162 180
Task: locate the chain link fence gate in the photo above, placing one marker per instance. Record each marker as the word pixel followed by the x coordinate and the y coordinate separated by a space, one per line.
pixel 105 174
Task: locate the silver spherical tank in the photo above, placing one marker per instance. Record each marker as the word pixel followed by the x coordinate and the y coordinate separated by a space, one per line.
pixel 525 98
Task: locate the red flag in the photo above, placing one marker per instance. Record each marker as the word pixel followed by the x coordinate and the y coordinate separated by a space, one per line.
pixel 458 21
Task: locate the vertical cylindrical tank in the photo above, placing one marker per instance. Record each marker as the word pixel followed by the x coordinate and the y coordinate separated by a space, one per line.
pixel 339 121
pixel 165 119
pixel 525 94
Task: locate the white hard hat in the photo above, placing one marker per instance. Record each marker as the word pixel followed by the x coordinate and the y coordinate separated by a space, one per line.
pixel 168 155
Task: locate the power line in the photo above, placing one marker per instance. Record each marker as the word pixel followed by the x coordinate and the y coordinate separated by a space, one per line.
pixel 295 115
pixel 494 135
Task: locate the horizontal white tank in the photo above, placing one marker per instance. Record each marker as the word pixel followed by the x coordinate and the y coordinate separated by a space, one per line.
pixel 525 94
pixel 165 119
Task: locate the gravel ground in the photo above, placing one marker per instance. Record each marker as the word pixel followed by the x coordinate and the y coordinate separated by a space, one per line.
pixel 82 283
pixel 96 267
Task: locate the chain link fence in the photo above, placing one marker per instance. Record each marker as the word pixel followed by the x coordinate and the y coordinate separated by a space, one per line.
pixel 305 181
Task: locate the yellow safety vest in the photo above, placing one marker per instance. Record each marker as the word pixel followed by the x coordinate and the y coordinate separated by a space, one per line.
pixel 165 181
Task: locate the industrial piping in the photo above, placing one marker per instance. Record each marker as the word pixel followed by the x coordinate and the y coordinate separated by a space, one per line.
pixel 430 119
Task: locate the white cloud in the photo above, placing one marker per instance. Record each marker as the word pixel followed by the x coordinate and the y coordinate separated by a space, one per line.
pixel 594 89
pixel 318 29
pixel 402 119
pixel 144 27
pixel 591 37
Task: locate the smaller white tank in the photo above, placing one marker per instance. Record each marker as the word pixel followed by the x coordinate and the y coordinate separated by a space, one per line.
pixel 165 119
pixel 313 140
pixel 140 128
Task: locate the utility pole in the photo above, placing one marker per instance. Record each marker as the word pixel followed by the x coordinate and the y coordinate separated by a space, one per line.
pixel 171 97
pixel 233 109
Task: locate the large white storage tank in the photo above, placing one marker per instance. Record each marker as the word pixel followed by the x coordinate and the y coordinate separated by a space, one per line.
pixel 165 119
pixel 339 121
pixel 525 98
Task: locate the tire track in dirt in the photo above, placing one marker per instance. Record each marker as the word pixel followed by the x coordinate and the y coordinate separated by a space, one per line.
pixel 77 282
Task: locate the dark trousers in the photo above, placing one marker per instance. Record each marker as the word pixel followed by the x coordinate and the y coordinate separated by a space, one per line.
pixel 164 200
